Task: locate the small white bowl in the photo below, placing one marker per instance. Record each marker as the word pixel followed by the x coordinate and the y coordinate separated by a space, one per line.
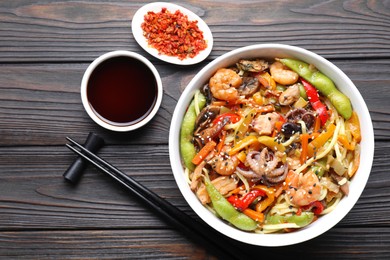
pixel 137 123
pixel 138 33
pixel 358 182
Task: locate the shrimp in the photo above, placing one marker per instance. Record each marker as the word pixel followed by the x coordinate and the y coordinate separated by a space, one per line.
pixel 303 189
pixel 283 75
pixel 224 84
pixel 224 164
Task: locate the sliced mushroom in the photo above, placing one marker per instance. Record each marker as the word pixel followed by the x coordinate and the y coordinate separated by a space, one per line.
pixel 252 65
pixel 202 136
pixel 207 92
pixel 206 116
pixel 249 86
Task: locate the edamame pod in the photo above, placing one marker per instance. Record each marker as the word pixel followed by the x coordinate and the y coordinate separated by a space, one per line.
pixel 226 210
pixel 187 148
pixel 323 84
pixel 304 219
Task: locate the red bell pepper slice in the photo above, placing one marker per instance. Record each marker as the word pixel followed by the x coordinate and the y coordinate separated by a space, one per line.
pixel 315 101
pixel 316 207
pixel 246 200
pixel 234 118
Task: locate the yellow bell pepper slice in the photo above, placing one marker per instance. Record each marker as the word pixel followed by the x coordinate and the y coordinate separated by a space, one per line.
pixel 353 125
pixel 242 156
pixel 258 98
pixel 271 143
pixel 242 129
pixel 344 141
pixel 263 204
pixel 243 143
pixel 267 81
pixel 320 140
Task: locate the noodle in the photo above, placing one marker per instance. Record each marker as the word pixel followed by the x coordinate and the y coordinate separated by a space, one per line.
pixel 263 142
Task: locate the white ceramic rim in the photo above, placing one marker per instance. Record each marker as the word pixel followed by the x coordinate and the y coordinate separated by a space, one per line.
pixel 87 106
pixel 324 223
pixel 138 19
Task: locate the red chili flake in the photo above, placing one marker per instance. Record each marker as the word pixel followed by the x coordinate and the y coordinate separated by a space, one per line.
pixel 173 34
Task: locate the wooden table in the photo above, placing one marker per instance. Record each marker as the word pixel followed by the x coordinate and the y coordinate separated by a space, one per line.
pixel 45 46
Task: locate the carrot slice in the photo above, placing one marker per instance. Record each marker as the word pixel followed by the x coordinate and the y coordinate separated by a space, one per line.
pixel 344 141
pixel 278 125
pixel 199 157
pixel 304 152
pixel 221 141
pixel 317 125
pixel 257 216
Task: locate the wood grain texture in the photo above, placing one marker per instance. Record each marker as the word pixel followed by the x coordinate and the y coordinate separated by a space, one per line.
pixel 163 244
pixel 35 197
pixel 38 102
pixel 45 47
pixel 71 31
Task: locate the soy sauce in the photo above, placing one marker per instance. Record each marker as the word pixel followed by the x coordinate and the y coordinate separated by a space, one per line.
pixel 122 91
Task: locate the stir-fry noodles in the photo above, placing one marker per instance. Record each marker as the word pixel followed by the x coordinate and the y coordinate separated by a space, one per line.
pixel 270 145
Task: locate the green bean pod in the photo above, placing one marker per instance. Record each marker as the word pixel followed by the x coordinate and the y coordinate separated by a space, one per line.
pixel 304 219
pixel 226 210
pixel 323 84
pixel 187 148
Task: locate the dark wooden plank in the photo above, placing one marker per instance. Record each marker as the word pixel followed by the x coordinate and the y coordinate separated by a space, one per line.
pixel 98 244
pixel 34 196
pixel 40 105
pixel 81 30
pixel 45 47
pixel 338 243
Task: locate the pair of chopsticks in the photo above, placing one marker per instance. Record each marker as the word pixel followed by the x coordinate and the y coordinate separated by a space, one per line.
pixel 195 230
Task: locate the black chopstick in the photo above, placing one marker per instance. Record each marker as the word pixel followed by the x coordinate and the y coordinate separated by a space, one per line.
pixel 197 231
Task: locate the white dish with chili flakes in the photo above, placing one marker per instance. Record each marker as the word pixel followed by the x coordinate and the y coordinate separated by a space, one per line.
pixel 199 46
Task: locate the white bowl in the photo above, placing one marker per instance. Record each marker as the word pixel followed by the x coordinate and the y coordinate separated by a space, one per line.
pixel 345 85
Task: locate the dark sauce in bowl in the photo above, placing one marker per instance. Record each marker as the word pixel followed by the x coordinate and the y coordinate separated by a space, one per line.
pixel 122 91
